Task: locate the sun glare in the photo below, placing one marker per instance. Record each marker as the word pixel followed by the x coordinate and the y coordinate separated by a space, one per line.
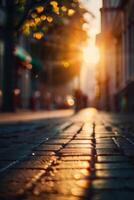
pixel 91 54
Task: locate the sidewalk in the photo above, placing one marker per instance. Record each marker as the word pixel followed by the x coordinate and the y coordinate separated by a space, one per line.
pixel 89 156
pixel 24 116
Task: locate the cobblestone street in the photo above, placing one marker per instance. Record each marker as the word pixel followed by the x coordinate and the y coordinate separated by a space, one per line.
pixel 87 156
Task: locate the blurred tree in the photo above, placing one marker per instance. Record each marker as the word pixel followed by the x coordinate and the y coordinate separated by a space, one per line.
pixel 32 18
pixel 62 52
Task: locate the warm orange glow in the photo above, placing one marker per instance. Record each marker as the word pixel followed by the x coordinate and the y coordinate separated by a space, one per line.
pixel 89 115
pixel 40 9
pixel 34 15
pixel 16 91
pixel 70 100
pixel 65 64
pixel 91 54
pixel 55 6
pixel 63 8
pixel 37 20
pixel 49 19
pixel 31 23
pixel 71 12
pixel 38 35
pixel 54 3
pixel 43 17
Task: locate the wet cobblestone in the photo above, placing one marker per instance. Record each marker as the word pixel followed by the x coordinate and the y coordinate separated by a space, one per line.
pixel 89 157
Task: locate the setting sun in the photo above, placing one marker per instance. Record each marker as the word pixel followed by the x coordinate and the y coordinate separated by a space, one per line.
pixel 91 54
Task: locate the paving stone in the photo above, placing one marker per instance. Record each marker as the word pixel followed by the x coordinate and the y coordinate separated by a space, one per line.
pixel 73 165
pixel 103 195
pixel 87 133
pixel 87 127
pixel 70 145
pixel 104 141
pixel 48 147
pixel 108 159
pixel 112 173
pixel 77 158
pixel 106 146
pixel 131 137
pixel 130 183
pixel 77 152
pixel 113 166
pixel 15 153
pixel 70 187
pixel 44 153
pixel 129 152
pixel 58 141
pixel 106 135
pixel 80 149
pixel 67 174
pixel 4 164
pixel 64 136
pixel 108 184
pixel 83 137
pixel 123 143
pixel 47 196
pixel 114 195
pixel 100 129
pixel 85 141
pixel 107 152
pixel 39 162
pixel 74 128
pixel 17 181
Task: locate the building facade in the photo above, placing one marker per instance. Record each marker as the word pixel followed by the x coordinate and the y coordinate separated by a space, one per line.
pixel 116 69
pixel 2 21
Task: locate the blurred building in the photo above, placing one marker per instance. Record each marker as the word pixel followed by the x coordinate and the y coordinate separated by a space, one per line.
pixel 2 21
pixel 28 70
pixel 115 74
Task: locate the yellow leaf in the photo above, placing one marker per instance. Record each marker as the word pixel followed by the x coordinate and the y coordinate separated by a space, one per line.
pixel 39 9
pixel 49 19
pixel 71 12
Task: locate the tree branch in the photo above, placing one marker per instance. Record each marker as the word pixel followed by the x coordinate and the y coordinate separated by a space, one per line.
pixel 29 6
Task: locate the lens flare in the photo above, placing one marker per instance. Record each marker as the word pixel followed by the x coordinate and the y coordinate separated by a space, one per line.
pixel 91 54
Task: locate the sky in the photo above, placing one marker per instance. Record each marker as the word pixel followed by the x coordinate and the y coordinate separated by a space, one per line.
pixel 93 6
pixel 91 53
